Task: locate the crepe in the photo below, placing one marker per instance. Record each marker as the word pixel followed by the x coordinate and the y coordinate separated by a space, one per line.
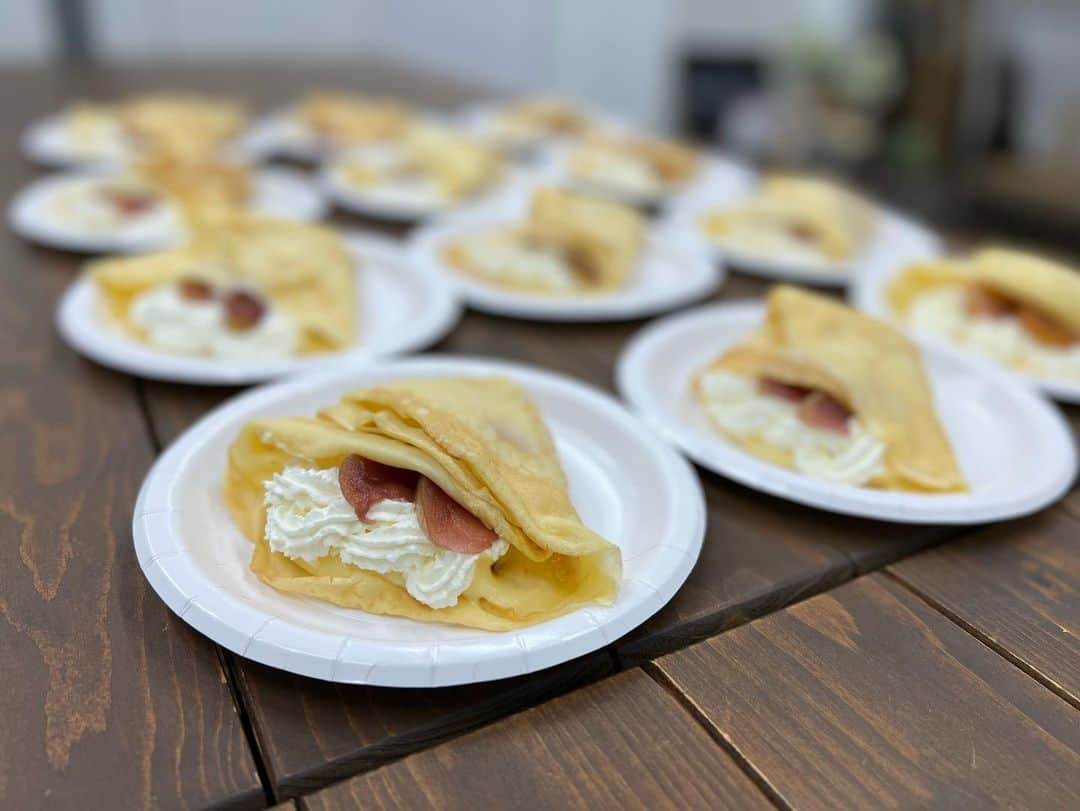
pixel 480 440
pixel 874 371
pixel 204 188
pixel 816 213
pixel 549 115
pixel 599 241
pixel 672 163
pixel 1051 288
pixel 182 125
pixel 353 119
pixel 304 270
pixel 461 166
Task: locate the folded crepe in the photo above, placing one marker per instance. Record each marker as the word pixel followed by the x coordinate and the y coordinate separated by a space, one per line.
pixel 304 270
pixel 1050 289
pixel 672 163
pixel 461 166
pixel 204 188
pixel 482 442
pixel 599 241
pixel 184 125
pixel 549 115
pixel 826 216
pixel 872 370
pixel 353 119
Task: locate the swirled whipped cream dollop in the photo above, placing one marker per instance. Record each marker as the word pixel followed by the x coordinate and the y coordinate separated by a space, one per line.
pixel 174 323
pixel 737 407
pixel 507 257
pixel 307 518
pixel 942 313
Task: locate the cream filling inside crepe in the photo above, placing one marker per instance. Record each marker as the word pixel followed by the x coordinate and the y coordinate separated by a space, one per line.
pixel 84 204
pixel 307 518
pixel 942 312
pixel 734 403
pixel 617 171
pixel 504 256
pixel 181 326
pixel 95 136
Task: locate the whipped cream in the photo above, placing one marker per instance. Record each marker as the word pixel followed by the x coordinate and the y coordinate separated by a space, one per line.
pixel 84 205
pixel 308 518
pixel 390 186
pixel 942 313
pixel 503 256
pixel 182 326
pixel 96 137
pixel 736 406
pixel 617 171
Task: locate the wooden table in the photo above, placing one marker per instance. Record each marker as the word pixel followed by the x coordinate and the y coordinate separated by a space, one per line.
pixel 891 670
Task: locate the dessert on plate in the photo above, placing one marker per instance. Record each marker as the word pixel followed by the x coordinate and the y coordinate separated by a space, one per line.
pixel 632 167
pixel 569 243
pixel 428 168
pixel 833 394
pixel 245 288
pixel 792 218
pixel 438 499
pixel 180 124
pixel 345 119
pixel 155 192
pixel 1020 310
pixel 524 124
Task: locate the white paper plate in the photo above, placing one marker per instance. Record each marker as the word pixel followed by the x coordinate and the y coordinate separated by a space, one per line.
pixel 867 293
pixel 280 134
pixel 625 482
pixel 399 308
pixel 672 272
pixel 480 121
pixel 895 236
pixel 278 193
pixel 46 142
pixel 1015 449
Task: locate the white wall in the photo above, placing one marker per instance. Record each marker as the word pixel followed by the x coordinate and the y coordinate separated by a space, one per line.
pixel 25 33
pixel 617 54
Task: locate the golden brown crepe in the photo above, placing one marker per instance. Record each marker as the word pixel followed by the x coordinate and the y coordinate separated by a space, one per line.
pixel 479 439
pixel 873 370
pixel 548 115
pixel 600 240
pixel 203 188
pixel 346 118
pixel 305 270
pixel 183 125
pixel 1050 288
pixel 828 217
pixel 672 162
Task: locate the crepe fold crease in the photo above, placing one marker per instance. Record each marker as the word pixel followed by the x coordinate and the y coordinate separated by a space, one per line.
pixel 479 439
pixel 808 340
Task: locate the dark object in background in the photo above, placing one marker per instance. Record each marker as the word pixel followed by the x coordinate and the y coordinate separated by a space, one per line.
pixel 710 84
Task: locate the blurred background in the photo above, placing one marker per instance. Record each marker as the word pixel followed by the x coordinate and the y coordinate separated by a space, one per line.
pixel 955 108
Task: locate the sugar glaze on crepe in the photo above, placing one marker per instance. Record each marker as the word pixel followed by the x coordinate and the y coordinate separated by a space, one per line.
pixel 246 287
pixel 569 243
pixel 796 219
pixel 1020 310
pixel 438 499
pixel 833 394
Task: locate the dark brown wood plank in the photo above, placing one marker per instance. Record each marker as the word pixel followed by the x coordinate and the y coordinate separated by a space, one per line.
pixel 622 743
pixel 1017 587
pixel 1072 500
pixel 108 701
pixel 867 697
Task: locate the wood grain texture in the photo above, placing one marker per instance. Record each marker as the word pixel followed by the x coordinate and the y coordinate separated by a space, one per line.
pixel 866 697
pixel 1072 500
pixel 108 700
pixel 622 743
pixel 1017 587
